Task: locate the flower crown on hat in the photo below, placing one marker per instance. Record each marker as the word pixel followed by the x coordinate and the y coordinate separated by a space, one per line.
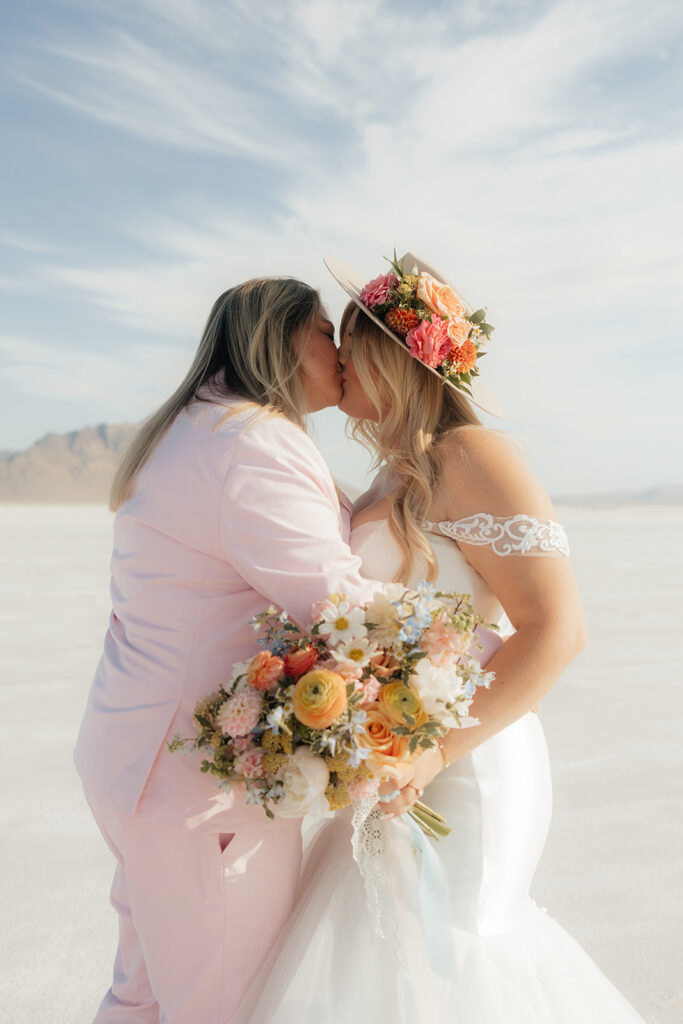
pixel 431 320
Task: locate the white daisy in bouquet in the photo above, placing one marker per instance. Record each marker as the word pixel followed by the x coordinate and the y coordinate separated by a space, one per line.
pixel 318 719
pixel 339 623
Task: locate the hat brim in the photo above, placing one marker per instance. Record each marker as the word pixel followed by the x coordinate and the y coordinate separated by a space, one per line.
pixel 480 395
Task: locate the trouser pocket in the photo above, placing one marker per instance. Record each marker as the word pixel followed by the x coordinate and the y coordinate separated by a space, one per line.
pixel 224 840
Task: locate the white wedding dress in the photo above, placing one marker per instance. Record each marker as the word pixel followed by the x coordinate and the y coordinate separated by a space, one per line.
pixel 462 939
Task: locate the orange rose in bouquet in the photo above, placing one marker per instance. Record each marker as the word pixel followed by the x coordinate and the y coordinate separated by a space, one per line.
pixel 264 671
pixel 388 753
pixel 297 663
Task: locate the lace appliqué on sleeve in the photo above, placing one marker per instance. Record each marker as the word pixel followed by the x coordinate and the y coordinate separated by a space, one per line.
pixel 517 535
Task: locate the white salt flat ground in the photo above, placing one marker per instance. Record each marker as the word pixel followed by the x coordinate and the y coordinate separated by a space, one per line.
pixel 610 873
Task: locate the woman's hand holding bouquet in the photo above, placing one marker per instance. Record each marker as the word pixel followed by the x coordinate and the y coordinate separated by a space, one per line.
pixel 318 720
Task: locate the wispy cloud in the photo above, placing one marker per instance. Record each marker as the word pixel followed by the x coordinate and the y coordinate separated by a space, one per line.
pixel 541 197
pixel 530 150
pixel 27 243
pixel 77 375
pixel 201 77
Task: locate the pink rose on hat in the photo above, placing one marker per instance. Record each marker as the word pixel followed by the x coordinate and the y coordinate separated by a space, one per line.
pixel 376 292
pixel 429 342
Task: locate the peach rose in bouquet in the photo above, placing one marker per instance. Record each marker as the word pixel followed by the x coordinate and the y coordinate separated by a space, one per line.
pixel 264 671
pixel 388 753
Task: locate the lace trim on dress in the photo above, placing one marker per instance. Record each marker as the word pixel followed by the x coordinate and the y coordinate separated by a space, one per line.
pixel 516 535
pixel 368 844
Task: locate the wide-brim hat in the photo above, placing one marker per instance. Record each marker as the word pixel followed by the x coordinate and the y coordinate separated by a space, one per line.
pixel 352 283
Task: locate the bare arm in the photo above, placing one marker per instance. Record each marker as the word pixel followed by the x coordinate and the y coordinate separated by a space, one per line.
pixel 484 473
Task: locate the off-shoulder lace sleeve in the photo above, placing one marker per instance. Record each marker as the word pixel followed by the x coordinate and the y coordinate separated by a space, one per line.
pixel 516 535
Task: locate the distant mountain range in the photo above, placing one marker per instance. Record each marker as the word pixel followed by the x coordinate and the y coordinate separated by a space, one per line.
pixel 65 468
pixel 79 467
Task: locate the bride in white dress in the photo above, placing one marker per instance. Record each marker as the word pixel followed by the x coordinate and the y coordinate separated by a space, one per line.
pixel 462 939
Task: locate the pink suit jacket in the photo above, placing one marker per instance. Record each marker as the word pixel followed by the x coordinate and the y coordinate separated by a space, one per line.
pixel 227 517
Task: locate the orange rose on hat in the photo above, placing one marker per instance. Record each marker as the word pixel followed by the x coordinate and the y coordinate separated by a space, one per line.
pixel 458 332
pixel 439 297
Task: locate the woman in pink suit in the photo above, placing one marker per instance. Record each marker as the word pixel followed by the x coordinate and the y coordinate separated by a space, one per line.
pixel 223 507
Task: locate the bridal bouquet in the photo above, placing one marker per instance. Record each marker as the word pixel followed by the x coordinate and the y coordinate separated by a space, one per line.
pixel 317 720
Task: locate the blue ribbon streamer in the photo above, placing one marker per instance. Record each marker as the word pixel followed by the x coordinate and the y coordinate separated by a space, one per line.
pixel 434 904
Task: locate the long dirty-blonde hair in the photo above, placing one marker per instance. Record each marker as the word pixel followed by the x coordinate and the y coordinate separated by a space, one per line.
pixel 247 347
pixel 415 412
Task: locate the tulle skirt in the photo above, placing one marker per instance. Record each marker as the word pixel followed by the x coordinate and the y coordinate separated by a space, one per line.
pixel 461 939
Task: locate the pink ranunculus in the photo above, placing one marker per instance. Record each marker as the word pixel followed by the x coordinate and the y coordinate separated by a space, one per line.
pixel 241 744
pixel 250 763
pixel 375 292
pixel 360 788
pixel 429 342
pixel 443 645
pixel 350 671
pixel 238 715
pixel 370 688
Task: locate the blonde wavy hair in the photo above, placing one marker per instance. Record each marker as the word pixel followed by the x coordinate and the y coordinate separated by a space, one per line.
pixel 247 351
pixel 415 412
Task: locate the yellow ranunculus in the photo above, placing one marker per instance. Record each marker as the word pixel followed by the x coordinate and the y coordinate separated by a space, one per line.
pixel 319 698
pixel 400 703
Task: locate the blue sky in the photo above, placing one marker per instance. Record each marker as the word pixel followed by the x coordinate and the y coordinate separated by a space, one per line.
pixel 157 151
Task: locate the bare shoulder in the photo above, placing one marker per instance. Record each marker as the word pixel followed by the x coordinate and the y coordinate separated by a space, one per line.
pixel 484 470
